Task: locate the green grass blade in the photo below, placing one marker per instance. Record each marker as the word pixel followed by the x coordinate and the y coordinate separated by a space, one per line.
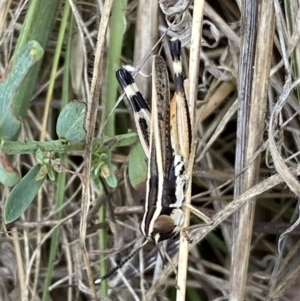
pixel 117 28
pixel 37 26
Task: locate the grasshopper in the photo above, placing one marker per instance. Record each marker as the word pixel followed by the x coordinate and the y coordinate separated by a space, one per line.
pixel 165 134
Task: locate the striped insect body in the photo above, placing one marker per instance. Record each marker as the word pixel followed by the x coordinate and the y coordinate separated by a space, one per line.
pixel 165 134
pixel 166 139
pixel 161 182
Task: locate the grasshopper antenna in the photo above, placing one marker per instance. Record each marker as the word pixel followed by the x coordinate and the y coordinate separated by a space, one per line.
pixel 124 261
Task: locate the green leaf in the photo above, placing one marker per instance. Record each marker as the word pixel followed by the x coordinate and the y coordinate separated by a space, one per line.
pixel 70 123
pixel 22 61
pixel 111 179
pixel 137 166
pixel 51 174
pixel 9 176
pixel 22 195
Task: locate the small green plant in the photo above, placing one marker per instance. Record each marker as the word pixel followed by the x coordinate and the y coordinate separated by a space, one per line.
pixel 69 129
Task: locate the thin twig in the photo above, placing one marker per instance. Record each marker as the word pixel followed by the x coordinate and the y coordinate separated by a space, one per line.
pixel 91 117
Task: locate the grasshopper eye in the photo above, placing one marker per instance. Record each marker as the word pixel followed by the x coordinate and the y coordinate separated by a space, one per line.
pixel 163 224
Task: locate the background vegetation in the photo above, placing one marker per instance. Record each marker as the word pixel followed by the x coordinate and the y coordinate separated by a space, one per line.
pixel 244 76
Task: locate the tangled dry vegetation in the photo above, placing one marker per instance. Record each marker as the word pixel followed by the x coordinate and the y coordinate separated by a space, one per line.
pixel 244 78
